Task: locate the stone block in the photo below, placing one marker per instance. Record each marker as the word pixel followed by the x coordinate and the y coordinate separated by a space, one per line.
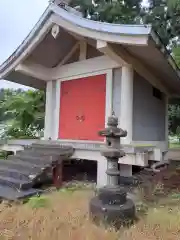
pixel 15 183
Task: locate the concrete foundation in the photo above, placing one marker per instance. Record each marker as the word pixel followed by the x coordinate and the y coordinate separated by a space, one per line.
pixel 125 170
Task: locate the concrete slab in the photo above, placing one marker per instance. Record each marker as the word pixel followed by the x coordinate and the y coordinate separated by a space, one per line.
pixel 11 194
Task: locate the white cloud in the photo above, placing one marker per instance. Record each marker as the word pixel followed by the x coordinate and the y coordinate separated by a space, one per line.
pixel 7 84
pixel 17 18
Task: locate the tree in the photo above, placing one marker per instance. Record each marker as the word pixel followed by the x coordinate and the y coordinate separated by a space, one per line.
pixel 119 11
pixel 4 94
pixel 176 54
pixel 24 112
pixel 1 110
pixel 164 15
pixel 174 116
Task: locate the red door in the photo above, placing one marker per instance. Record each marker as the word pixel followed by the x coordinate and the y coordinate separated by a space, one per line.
pixel 82 108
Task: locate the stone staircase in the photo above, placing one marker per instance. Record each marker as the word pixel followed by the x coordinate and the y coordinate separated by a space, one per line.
pixel 21 173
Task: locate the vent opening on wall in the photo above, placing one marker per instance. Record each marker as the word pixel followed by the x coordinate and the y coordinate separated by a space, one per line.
pixel 157 93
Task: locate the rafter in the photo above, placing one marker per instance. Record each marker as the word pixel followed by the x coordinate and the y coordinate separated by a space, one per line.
pixel 68 56
pixel 106 48
pixel 142 69
pixel 83 50
pixel 123 57
pixel 35 70
pixel 43 73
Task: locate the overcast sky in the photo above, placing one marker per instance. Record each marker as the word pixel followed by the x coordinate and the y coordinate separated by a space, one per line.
pixel 17 18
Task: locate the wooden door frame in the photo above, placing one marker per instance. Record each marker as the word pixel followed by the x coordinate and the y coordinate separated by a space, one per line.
pixel 90 91
pixel 108 101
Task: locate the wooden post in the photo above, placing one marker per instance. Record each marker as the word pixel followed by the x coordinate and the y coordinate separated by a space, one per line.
pixel 57 175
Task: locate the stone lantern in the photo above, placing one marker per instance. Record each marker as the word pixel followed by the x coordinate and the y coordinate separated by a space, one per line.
pixel 111 204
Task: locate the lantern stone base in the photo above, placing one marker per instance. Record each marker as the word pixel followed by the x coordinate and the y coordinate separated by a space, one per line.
pixel 112 214
pixel 111 207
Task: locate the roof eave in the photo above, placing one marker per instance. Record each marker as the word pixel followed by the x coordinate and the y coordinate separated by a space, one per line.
pixel 163 49
pixel 115 33
pixel 97 28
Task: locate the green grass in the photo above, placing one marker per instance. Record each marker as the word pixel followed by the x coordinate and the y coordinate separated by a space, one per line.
pixel 2 156
pixel 67 217
pixel 38 202
pixel 174 145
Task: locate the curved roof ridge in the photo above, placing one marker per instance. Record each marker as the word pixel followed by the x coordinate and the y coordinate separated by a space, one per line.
pixel 79 21
pixel 102 26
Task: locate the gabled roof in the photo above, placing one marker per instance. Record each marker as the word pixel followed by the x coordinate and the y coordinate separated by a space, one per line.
pixel 132 36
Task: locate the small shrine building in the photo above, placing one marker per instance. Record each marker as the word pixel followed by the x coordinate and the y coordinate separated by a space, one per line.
pixel 89 70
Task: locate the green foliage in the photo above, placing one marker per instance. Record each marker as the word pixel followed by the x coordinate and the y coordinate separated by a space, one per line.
pixel 110 11
pixel 22 112
pixel 164 15
pixel 178 132
pixel 174 115
pixel 38 202
pixel 86 6
pixel 176 55
pixel 4 154
pixel 76 186
pixel 141 208
pixel 15 132
pixel 5 94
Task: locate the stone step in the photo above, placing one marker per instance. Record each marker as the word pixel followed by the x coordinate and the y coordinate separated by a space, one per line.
pixel 28 174
pixel 38 153
pixel 21 165
pixel 34 153
pixel 28 152
pixel 38 160
pixel 15 183
pixel 62 153
pixel 12 194
pixel 51 148
pixel 50 144
pixel 30 161
pixel 14 173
